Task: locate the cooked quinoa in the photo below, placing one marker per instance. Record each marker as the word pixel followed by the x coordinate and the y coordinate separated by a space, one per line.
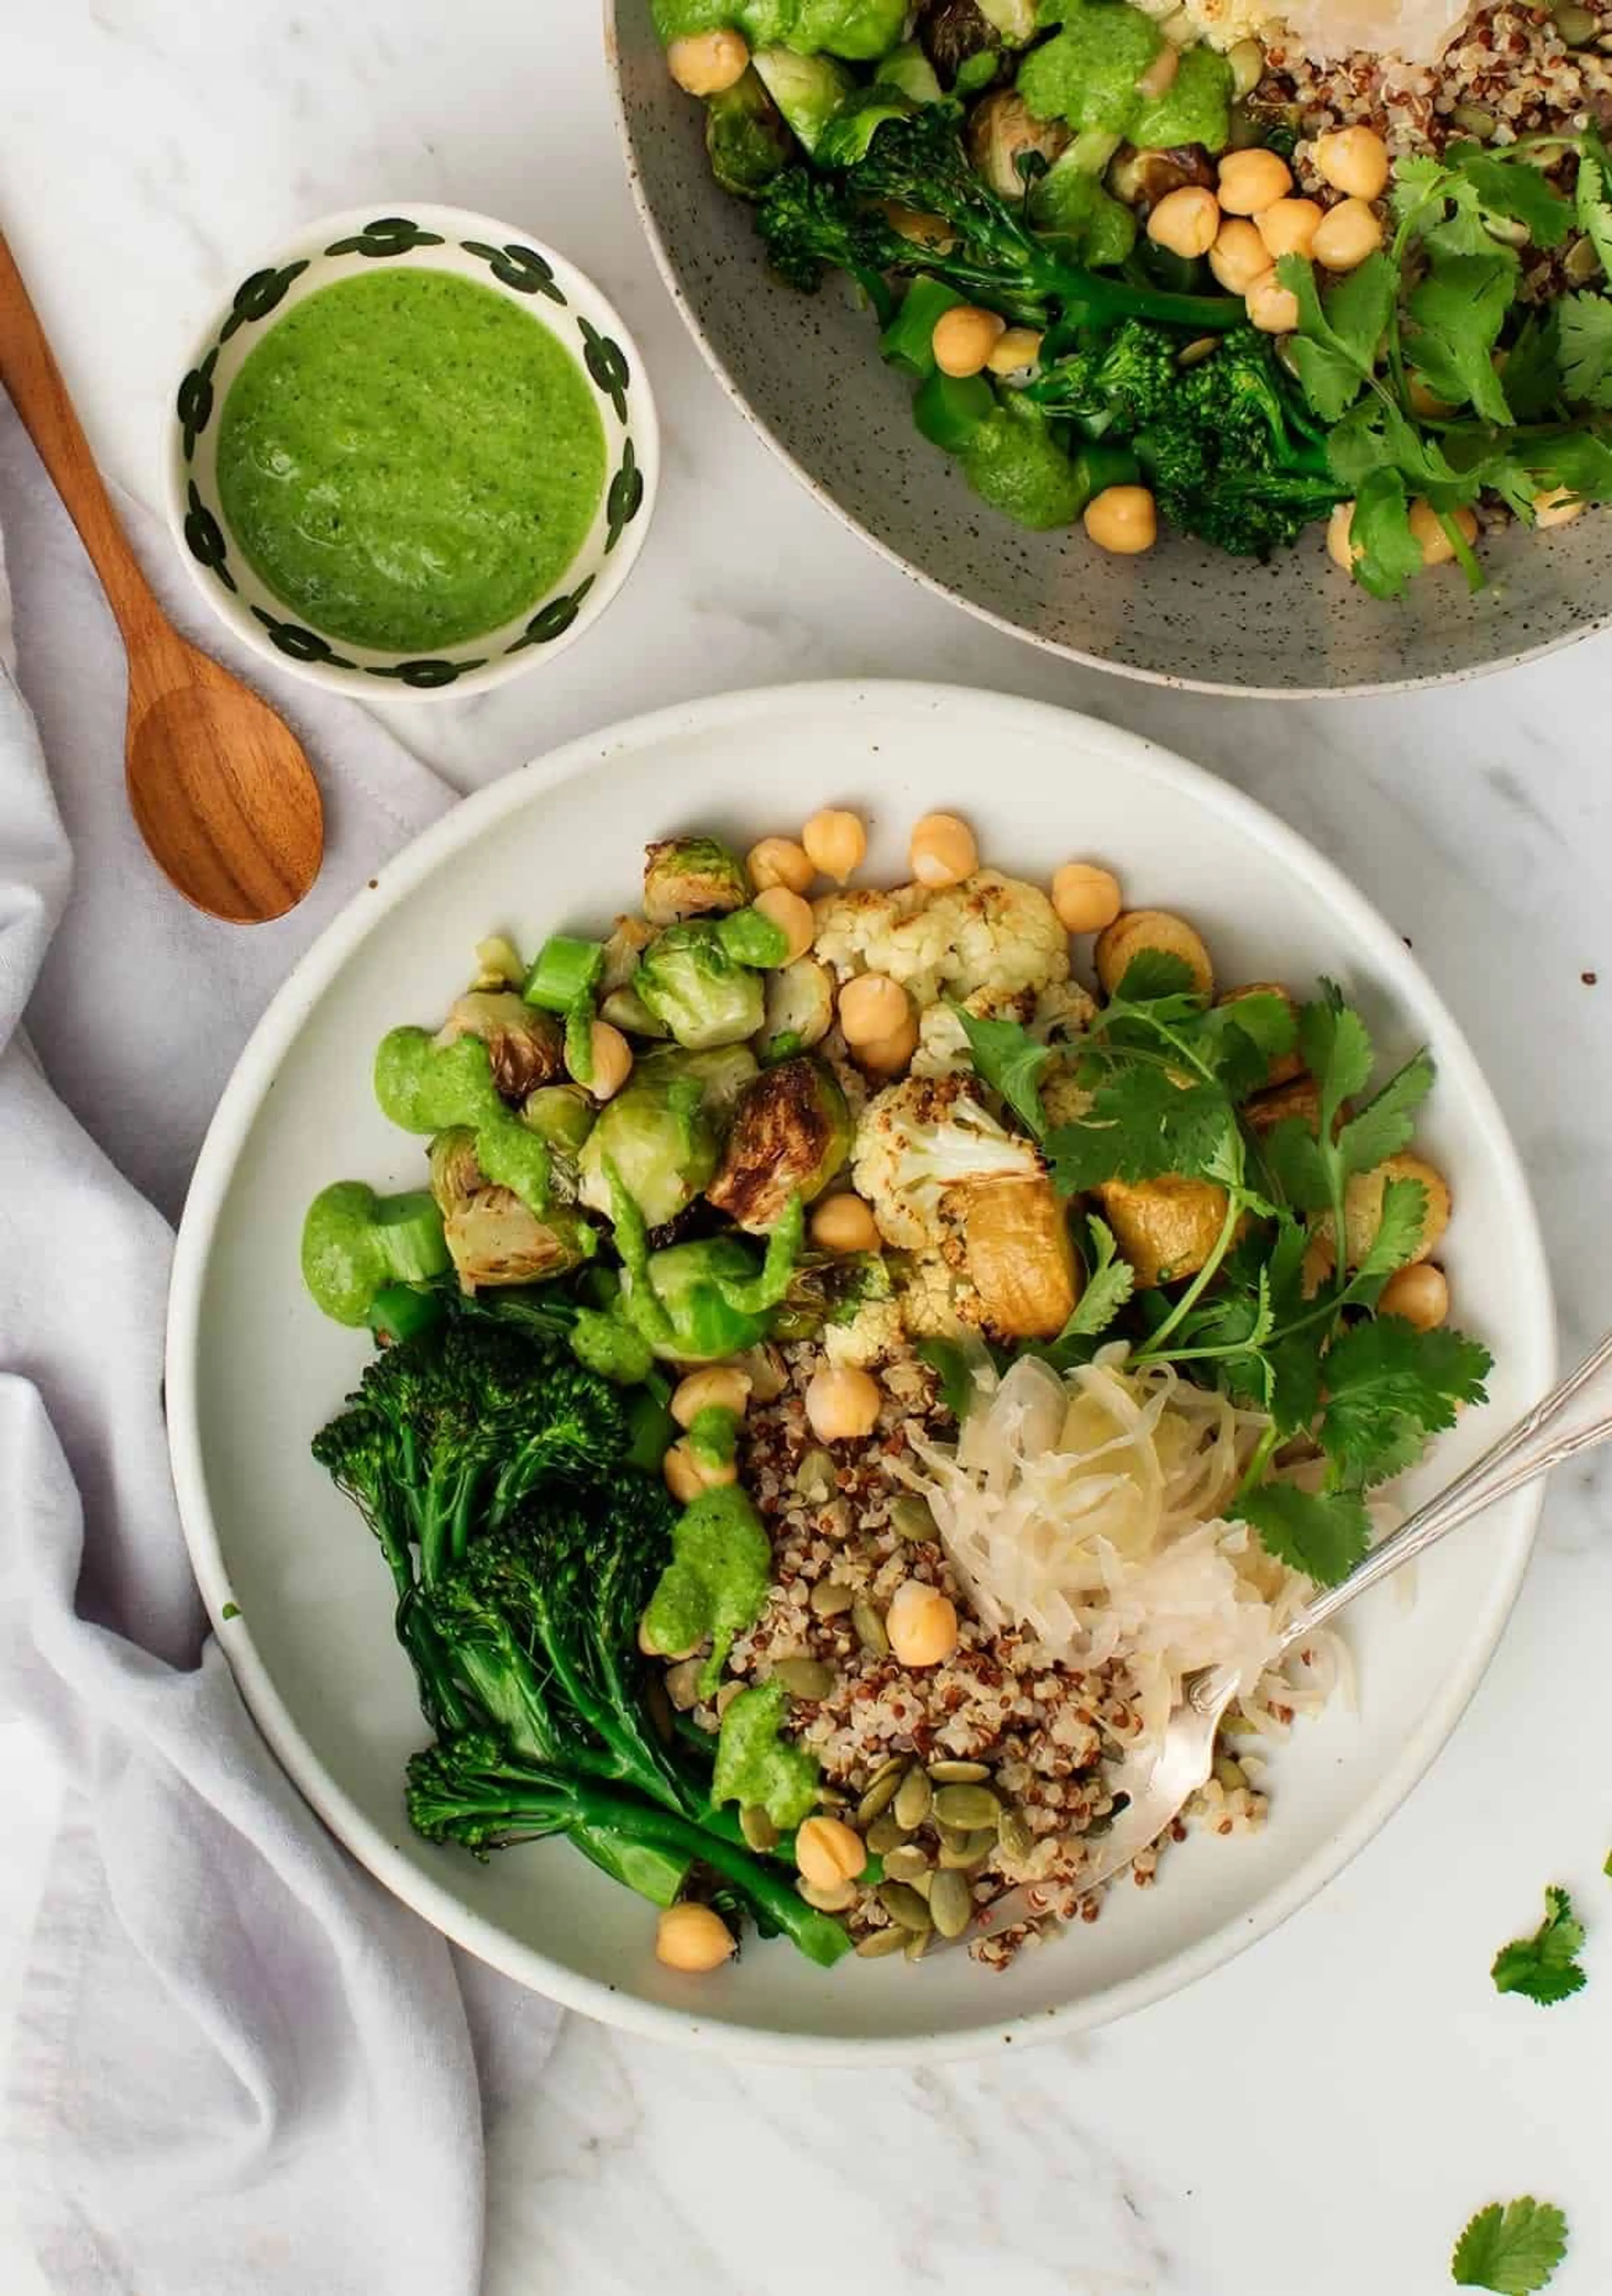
pixel 1045 1732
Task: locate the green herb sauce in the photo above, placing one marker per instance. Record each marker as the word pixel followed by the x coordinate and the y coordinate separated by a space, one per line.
pixel 408 459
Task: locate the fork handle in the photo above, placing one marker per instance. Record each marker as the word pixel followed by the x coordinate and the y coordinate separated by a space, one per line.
pixel 1541 1439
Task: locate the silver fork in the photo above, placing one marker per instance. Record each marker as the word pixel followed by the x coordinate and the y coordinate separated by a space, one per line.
pixel 1159 1786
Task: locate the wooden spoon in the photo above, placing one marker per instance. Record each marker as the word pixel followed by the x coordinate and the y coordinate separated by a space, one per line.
pixel 217 782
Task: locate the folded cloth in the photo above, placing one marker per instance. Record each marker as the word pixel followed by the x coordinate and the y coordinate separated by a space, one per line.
pixel 238 2065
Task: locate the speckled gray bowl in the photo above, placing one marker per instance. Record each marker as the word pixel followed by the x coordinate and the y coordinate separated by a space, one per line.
pixel 805 371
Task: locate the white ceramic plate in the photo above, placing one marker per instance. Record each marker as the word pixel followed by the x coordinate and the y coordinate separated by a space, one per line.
pixel 253 1369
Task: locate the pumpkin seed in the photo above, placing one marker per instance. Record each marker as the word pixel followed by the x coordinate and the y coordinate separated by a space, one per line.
pixel 957 1774
pixel 757 1827
pixel 1577 26
pixel 917 1944
pixel 833 1900
pixel 906 1862
pixel 1476 119
pixel 886 1833
pixel 870 1629
pixel 1016 1834
pixel 951 1902
pixel 968 1807
pixel 878 1943
pixel 966 1853
pixel 1581 262
pixel 882 1791
pixel 804 1678
pixel 816 1479
pixel 913 1800
pixel 921 1882
pixel 913 1519
pixel 903 1904
pixel 833 1797
pixel 829 1597
pixel 682 1683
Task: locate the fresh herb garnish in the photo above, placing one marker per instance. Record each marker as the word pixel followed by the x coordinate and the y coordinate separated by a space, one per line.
pixel 1544 1967
pixel 1513 2250
pixel 1167 1077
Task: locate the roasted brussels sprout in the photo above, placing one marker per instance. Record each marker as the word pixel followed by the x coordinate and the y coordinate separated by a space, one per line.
pixel 799 1009
pixel 963 37
pixel 1009 146
pixel 1165 1228
pixel 746 138
pixel 791 1132
pixel 1020 1256
pixel 807 91
pixel 493 1237
pixel 691 877
pixel 663 1133
pixel 524 1045
pixel 697 990
pixel 563 1114
pixel 1141 178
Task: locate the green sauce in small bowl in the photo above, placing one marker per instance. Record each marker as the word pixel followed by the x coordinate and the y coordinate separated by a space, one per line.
pixel 409 460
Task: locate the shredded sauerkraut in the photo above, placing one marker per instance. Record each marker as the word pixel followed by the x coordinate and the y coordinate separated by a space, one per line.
pixel 1088 1511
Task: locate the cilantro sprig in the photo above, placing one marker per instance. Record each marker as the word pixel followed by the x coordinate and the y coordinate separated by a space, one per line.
pixel 1544 1967
pixel 1165 1078
pixel 1512 2248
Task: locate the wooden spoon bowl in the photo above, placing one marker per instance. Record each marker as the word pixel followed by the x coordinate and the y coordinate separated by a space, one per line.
pixel 219 786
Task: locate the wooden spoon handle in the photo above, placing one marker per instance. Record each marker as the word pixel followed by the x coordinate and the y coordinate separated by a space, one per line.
pixel 33 381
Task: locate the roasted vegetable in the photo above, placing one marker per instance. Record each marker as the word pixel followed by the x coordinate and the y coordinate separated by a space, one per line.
pixel 525 1048
pixel 1164 1228
pixel 1020 1256
pixel 702 995
pixel 790 1134
pixel 492 1234
pixel 691 877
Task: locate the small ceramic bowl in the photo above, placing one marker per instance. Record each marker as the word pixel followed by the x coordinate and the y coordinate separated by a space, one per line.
pixel 525 272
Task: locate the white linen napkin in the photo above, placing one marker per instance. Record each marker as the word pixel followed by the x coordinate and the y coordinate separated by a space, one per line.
pixel 239 2065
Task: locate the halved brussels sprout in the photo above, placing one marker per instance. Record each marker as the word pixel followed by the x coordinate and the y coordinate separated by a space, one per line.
pixel 691 877
pixel 493 1236
pixel 790 1135
pixel 663 1133
pixel 1009 146
pixel 690 983
pixel 524 1045
pixel 799 1009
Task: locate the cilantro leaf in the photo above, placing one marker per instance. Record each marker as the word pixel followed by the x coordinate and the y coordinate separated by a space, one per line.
pixel 1009 1059
pixel 1585 324
pixel 1335 349
pixel 1515 190
pixel 1544 1967
pixel 1576 462
pixel 1386 554
pixel 1512 2250
pixel 1293 1159
pixel 1336 1051
pixel 1592 198
pixel 1533 367
pixel 1458 310
pixel 1385 1125
pixel 1399 1231
pixel 1142 1126
pixel 954 1371
pixel 1153 975
pixel 1241 1036
pixel 1389 1388
pixel 1109 1283
pixel 1321 1533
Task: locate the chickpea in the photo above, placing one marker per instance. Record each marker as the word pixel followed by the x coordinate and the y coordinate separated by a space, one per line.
pixel 1428 529
pixel 794 914
pixel 1085 896
pixel 780 861
pixel 686 1476
pixel 705 63
pixel 1419 1294
pixel 965 338
pixel 1185 221
pixel 841 1404
pixel 1287 227
pixel 1354 161
pixel 837 843
pixel 612 1060
pixel 1014 347
pixel 942 852
pixel 1252 181
pixel 1346 235
pixel 886 1056
pixel 871 1007
pixel 1238 256
pixel 1272 307
pixel 1122 519
pixel 1558 508
pixel 921 1623
pixel 843 1224
pixel 828 1852
pixel 694 1939
pixel 723 1387
pixel 1340 538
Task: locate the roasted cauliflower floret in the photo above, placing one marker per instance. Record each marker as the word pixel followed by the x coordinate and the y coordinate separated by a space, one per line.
pixel 919 1137
pixel 943 1048
pixel 1063 1009
pixel 937 1299
pixel 875 1331
pixel 991 931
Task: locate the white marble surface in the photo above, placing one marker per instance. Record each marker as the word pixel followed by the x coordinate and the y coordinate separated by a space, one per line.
pixel 1319 2118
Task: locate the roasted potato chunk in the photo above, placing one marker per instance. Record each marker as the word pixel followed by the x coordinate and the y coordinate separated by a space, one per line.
pixel 1165 1228
pixel 1363 1206
pixel 1301 1098
pixel 1020 1254
pixel 1119 944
